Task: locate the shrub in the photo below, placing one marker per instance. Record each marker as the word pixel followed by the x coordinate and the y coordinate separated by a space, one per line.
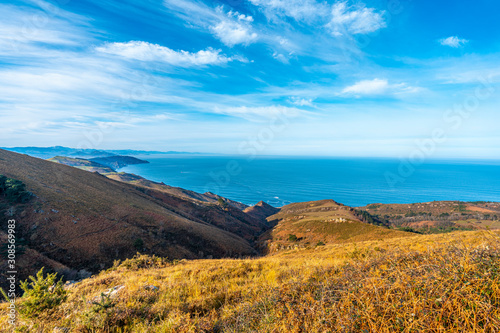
pixel 41 294
pixel 292 238
pixel 139 244
pixel 222 202
pixel 141 261
pixel 14 190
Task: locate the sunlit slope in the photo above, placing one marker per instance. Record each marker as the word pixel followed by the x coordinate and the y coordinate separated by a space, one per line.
pixel 321 222
pixel 432 283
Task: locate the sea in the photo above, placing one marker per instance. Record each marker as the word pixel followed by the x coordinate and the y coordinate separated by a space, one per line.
pixel 351 181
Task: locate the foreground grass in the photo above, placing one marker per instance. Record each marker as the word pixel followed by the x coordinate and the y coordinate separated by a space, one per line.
pixel 432 283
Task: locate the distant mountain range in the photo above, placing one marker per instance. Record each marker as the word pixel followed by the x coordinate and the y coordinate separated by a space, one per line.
pixel 49 152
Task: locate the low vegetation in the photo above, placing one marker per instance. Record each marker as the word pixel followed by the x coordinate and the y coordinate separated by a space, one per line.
pixel 41 295
pixel 426 283
pixel 13 190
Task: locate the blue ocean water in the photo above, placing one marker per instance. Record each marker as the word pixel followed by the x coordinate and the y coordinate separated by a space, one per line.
pixel 352 181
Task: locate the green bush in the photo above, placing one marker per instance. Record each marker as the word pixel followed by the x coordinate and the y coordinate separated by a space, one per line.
pixel 13 190
pixel 292 238
pixel 41 294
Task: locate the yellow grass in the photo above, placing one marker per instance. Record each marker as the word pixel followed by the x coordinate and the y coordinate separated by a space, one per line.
pixel 432 283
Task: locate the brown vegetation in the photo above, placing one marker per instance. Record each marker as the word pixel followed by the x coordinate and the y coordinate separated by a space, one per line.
pixel 430 283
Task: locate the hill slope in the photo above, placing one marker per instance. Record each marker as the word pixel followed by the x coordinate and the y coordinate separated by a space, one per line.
pixel 104 168
pixel 314 223
pixel 261 210
pixel 82 163
pixel 117 162
pixel 82 220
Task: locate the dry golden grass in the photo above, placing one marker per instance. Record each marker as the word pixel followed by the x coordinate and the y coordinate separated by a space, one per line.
pixel 432 283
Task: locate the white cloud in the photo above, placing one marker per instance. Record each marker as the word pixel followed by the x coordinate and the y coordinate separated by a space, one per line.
pixel 233 28
pixel 281 58
pixel 453 41
pixel 378 87
pixel 232 33
pixel 240 17
pixel 145 51
pixel 354 19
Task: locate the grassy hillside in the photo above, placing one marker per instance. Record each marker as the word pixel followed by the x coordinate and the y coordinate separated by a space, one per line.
pixel 310 224
pixel 431 283
pixel 80 220
pixel 82 164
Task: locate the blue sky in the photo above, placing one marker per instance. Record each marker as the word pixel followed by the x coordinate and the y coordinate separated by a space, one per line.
pixel 398 78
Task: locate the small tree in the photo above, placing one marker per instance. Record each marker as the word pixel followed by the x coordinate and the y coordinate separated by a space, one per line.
pixel 292 238
pixel 41 294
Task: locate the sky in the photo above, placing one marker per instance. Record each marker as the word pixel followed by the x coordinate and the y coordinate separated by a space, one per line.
pixel 389 78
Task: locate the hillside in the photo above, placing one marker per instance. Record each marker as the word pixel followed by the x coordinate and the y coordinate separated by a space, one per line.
pixel 176 191
pixel 117 162
pixel 83 164
pixel 79 220
pixel 261 210
pixel 438 216
pixel 426 283
pixel 94 166
pixel 309 224
pixel 102 165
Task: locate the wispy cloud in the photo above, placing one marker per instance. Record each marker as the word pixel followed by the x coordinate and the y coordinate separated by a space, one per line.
pixel 145 51
pixel 368 87
pixel 300 10
pixel 23 26
pixel 301 101
pixel 453 41
pixel 295 27
pixel 230 27
pixel 261 113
